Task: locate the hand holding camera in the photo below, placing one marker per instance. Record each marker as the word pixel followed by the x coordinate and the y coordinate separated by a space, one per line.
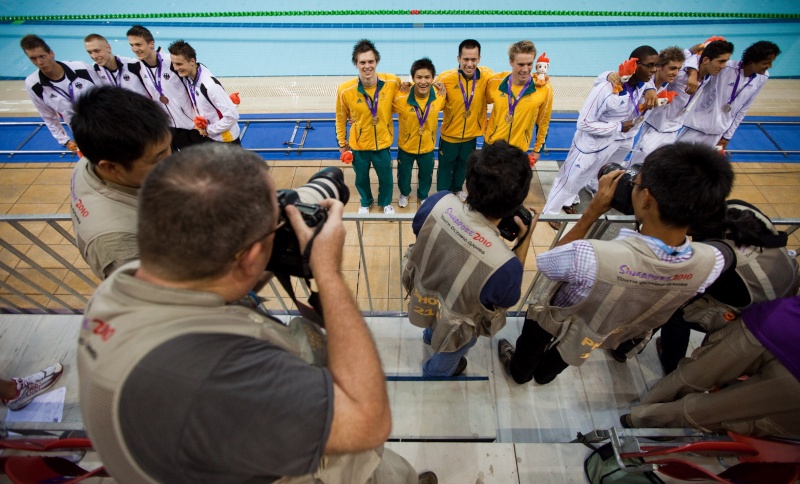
pixel 326 253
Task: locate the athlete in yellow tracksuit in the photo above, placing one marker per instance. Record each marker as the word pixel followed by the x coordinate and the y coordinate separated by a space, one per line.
pixel 518 104
pixel 417 120
pixel 464 115
pixel 366 101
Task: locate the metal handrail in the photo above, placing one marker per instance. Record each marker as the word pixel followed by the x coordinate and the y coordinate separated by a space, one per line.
pixel 16 221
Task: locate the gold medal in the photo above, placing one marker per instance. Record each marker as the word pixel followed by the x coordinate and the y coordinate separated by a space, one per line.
pixel 509 118
pixel 421 130
pixel 163 99
pixel 466 114
pixel 374 120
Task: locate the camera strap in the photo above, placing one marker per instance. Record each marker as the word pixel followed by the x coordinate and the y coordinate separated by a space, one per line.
pixel 314 311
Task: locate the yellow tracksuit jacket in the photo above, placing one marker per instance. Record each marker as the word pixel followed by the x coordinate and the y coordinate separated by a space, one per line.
pixel 409 138
pixel 455 128
pixel 534 107
pixel 351 104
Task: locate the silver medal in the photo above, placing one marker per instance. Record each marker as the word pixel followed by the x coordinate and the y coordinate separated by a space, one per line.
pixel 727 108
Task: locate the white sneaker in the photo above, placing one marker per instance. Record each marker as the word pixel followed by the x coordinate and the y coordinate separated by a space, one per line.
pixel 33 385
pixel 363 210
pixel 462 195
pixel 388 210
pixel 403 201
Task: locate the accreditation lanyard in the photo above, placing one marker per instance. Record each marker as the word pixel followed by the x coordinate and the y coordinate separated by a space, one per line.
pixel 468 100
pixel 735 94
pixel 669 250
pixel 422 117
pixel 513 105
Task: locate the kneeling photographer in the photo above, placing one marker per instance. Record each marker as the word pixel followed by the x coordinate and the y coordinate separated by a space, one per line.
pixel 460 275
pixel 177 385
pixel 599 293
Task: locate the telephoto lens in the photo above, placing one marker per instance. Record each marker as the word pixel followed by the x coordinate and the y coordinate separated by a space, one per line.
pixel 622 195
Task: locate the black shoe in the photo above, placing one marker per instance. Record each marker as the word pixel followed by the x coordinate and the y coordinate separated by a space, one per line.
pixel 462 365
pixel 505 351
pixel 428 477
pixel 626 421
pixel 618 355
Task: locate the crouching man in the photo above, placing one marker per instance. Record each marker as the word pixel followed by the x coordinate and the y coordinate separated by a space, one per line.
pixel 600 293
pixel 460 274
pixel 178 386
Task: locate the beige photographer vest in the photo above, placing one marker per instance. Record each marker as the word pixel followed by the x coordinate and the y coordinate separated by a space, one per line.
pixel 456 252
pixel 634 292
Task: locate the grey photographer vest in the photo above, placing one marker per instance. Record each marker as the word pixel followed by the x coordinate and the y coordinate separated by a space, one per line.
pixel 634 292
pixel 127 318
pixel 98 208
pixel 456 252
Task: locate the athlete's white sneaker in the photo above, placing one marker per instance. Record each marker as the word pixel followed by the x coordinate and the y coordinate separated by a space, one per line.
pixel 403 201
pixel 31 386
pixel 363 210
pixel 462 195
pixel 388 210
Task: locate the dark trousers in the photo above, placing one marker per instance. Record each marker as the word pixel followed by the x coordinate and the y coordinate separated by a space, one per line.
pixel 181 138
pixel 532 359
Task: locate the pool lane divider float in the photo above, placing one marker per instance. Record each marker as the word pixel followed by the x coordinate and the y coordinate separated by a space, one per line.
pixel 319 13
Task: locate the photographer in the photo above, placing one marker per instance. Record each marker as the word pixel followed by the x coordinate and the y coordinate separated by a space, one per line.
pixel 763 270
pixel 178 386
pixel 460 274
pixel 122 135
pixel 600 293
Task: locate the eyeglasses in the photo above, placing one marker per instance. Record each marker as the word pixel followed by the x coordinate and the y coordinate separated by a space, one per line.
pixel 651 65
pixel 280 225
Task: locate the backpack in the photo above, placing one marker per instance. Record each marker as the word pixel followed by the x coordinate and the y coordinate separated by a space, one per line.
pixel 601 467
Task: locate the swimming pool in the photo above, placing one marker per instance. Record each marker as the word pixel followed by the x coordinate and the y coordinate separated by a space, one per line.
pixel 307 43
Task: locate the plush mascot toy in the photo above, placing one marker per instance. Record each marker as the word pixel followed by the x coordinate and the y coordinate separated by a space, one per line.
pixel 542 64
pixel 625 71
pixel 664 97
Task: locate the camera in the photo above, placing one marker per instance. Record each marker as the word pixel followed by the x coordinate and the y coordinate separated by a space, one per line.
pixel 622 195
pixel 286 257
pixel 509 229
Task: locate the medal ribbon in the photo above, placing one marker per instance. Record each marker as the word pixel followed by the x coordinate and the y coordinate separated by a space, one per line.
pixel 422 117
pixel 686 107
pixel 735 94
pixel 468 100
pixel 117 79
pixel 67 95
pixel 373 105
pixel 635 104
pixel 513 106
pixel 157 80
pixel 193 90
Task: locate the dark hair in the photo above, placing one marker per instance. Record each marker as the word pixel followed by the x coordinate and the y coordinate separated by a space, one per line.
pixel 716 48
pixel 33 41
pixel 115 124
pixel 92 37
pixel 469 44
pixel 759 52
pixel 141 31
pixel 183 48
pixel 671 54
pixel 362 46
pixel 423 63
pixel 642 51
pixel 201 206
pixel 689 181
pixel 498 179
pixel 739 221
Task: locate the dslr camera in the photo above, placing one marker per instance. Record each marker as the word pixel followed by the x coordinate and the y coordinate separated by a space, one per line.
pixel 286 257
pixel 622 195
pixel 509 229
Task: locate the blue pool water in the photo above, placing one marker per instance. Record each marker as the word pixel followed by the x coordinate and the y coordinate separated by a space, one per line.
pixel 308 45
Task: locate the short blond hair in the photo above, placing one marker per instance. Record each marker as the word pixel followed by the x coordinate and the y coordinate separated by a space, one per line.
pixel 521 47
